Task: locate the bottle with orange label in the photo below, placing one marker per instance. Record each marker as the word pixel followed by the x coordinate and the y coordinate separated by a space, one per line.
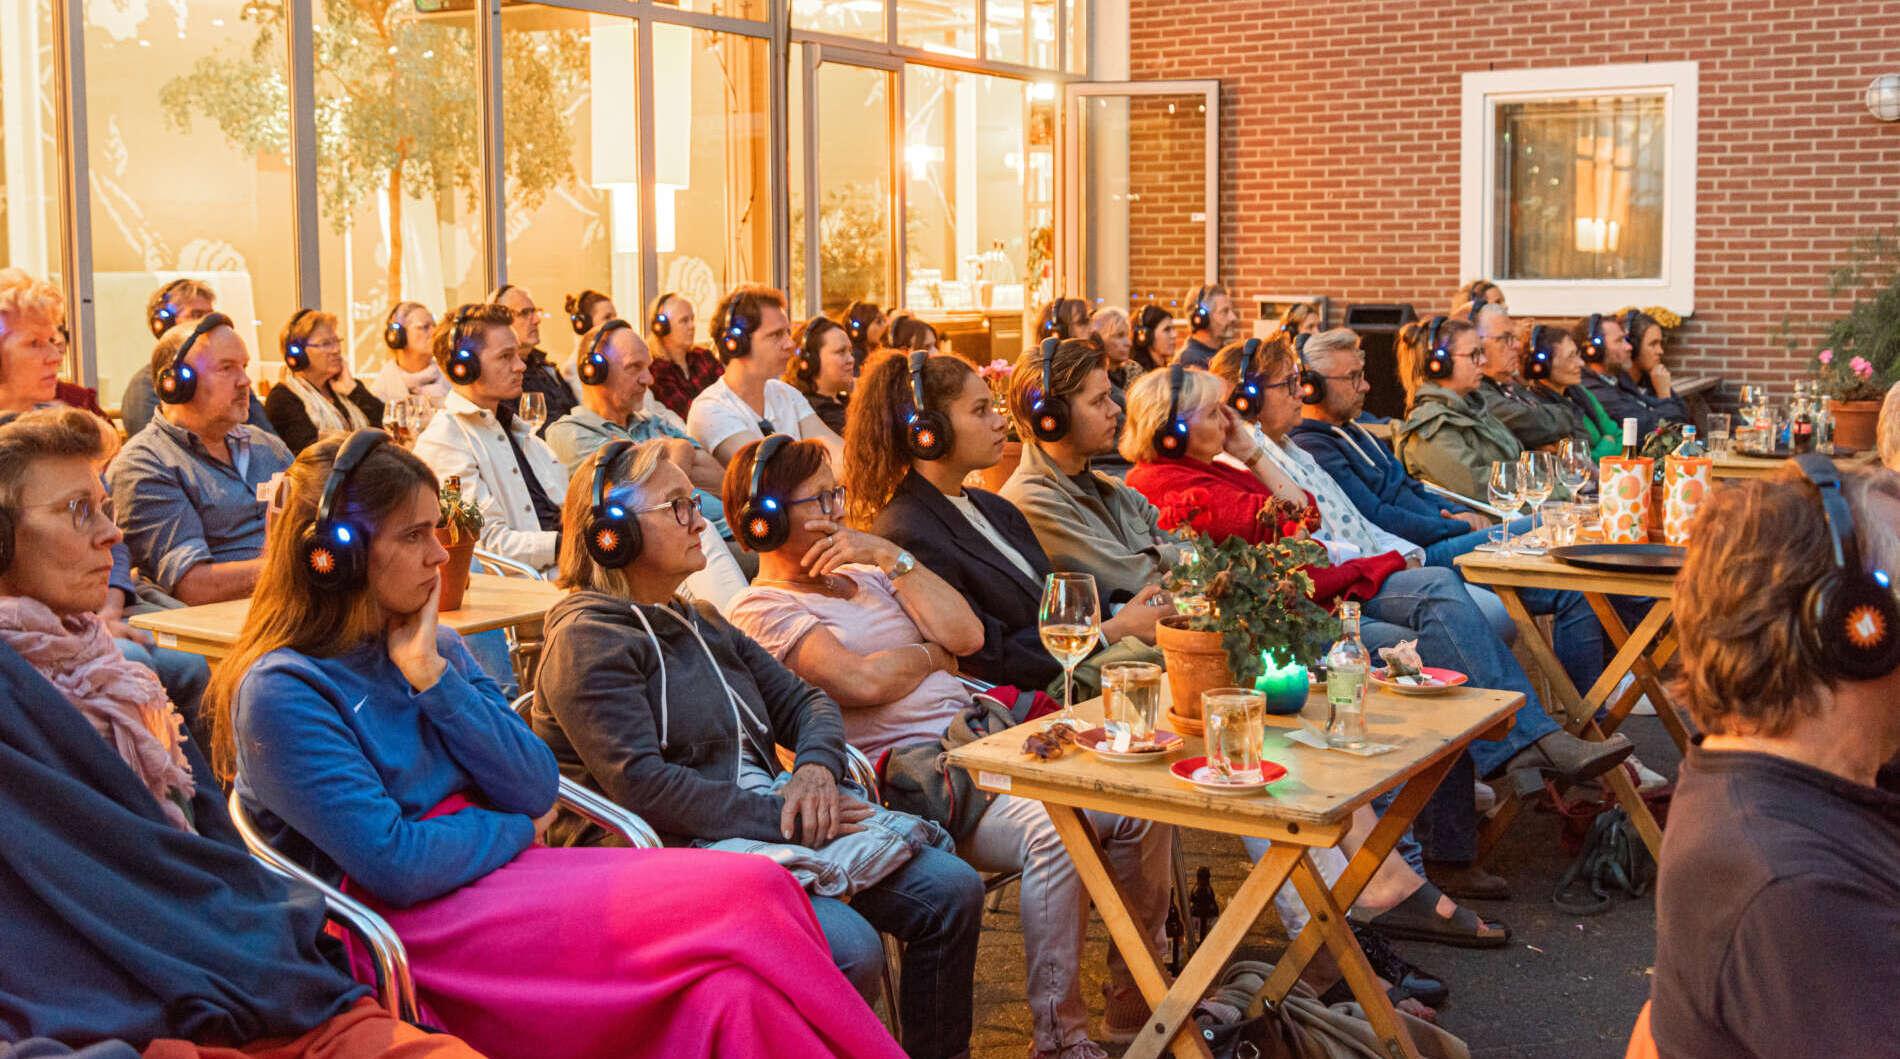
pixel 1623 492
pixel 1686 476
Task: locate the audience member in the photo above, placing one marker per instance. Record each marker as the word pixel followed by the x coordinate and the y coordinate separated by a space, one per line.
pixel 1111 328
pixel 186 488
pixel 867 325
pixel 1778 901
pixel 367 743
pixel 668 710
pixel 1535 424
pixel 857 616
pixel 754 338
pixel 1605 344
pixel 182 301
pixel 505 470
pixel 1448 437
pixel 1888 430
pixel 1151 342
pixel 318 393
pixel 909 332
pixel 586 311
pixel 31 314
pixel 1554 368
pixel 823 369
pixel 1300 318
pixel 1647 369
pixel 411 371
pixel 539 373
pixel 1062 318
pixel 920 425
pixel 680 368
pixel 1476 293
pixel 133 913
pixel 1212 323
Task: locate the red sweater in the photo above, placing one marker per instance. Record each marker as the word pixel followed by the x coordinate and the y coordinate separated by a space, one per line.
pixel 1222 501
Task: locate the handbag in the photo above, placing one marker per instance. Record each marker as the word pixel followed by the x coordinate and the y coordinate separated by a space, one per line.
pixel 1614 858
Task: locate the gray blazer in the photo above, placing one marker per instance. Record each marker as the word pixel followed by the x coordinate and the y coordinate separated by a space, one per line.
pixel 1102 527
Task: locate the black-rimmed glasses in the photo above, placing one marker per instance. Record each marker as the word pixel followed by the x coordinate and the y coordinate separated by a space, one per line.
pixel 1351 378
pixel 830 502
pixel 1289 385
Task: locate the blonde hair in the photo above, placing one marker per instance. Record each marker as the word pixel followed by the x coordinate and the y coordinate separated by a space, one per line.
pixel 1890 429
pixel 577 568
pixel 1108 320
pixel 1273 354
pixel 1148 401
pixel 25 299
pixel 301 326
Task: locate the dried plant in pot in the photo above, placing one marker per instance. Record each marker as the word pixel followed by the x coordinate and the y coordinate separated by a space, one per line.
pixel 459 529
pixel 1237 600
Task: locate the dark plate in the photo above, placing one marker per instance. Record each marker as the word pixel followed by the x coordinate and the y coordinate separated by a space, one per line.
pixel 1622 558
pixel 1777 454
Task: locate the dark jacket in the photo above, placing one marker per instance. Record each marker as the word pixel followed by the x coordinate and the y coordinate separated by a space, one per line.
pixel 292 422
pixel 650 725
pixel 921 520
pixel 544 378
pixel 1450 439
pixel 1195 353
pixel 1622 399
pixel 1534 423
pixel 1377 484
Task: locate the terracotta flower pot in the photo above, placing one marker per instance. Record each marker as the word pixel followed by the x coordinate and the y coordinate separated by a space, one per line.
pixel 1856 424
pixel 455 571
pixel 1196 661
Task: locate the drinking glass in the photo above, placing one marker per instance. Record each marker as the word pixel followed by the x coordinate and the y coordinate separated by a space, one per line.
pixel 533 409
pixel 1560 522
pixel 1131 700
pixel 1236 719
pixel 1505 492
pixel 1070 623
pixel 1574 465
pixel 1536 477
pixel 1719 434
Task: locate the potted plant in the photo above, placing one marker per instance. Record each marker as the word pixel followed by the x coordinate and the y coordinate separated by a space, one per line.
pixel 1238 600
pixel 1860 352
pixel 1853 391
pixel 460 527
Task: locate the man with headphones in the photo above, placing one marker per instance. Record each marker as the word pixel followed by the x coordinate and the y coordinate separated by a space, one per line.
pixel 1778 898
pixel 1533 422
pixel 1604 340
pixel 540 375
pixel 681 369
pixel 187 490
pixel 506 471
pixel 753 335
pixel 1212 322
pixel 182 301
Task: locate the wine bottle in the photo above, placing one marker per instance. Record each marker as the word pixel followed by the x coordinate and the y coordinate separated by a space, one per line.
pixel 1629 439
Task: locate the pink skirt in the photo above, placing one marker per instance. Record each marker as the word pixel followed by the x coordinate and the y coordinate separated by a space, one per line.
pixel 583 953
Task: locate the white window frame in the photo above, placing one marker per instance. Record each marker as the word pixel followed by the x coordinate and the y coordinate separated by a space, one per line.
pixel 1484 90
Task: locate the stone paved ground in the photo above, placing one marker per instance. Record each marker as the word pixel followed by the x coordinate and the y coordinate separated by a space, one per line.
pixel 1565 988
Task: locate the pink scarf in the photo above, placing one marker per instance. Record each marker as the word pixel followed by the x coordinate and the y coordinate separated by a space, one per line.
pixel 124 700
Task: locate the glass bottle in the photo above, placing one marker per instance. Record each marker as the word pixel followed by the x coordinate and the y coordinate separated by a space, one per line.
pixel 1347 665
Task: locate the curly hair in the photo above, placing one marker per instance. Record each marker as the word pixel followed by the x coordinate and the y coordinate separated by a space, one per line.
pixel 876 457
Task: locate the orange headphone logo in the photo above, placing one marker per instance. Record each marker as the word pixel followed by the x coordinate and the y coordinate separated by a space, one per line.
pixel 1866 627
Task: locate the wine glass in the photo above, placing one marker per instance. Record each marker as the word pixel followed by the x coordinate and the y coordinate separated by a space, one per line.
pixel 1536 477
pixel 1070 623
pixel 1574 465
pixel 1504 488
pixel 533 409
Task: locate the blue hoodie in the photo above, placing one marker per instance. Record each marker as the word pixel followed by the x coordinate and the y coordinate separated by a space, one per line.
pixel 1378 485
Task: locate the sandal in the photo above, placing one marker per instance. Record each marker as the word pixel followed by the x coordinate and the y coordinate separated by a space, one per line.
pixel 1416 919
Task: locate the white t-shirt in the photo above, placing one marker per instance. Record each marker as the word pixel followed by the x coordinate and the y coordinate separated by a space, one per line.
pixel 982 525
pixel 718 414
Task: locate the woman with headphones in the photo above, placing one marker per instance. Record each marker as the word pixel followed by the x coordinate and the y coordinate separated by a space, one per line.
pixel 1062 318
pixel 318 393
pixel 908 332
pixel 670 711
pixel 1447 436
pixel 411 370
pixel 1300 318
pixel 867 325
pixel 363 737
pixel 1553 368
pixel 1151 341
pixel 918 426
pixel 823 368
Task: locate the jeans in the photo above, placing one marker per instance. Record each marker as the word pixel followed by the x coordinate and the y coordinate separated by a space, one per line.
pixel 184 677
pixel 1015 834
pixel 934 905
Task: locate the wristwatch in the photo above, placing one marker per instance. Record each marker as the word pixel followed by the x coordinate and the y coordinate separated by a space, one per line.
pixel 903 564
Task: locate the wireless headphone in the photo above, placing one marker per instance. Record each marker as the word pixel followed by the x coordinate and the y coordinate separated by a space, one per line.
pixel 764 522
pixel 1630 318
pixel 1537 365
pixel 334 553
pixel 296 357
pixel 1246 396
pixel 855 328
pixel 1478 302
pixel 1170 439
pixel 494 296
pixel 658 321
pixel 165 314
pixel 1200 316
pixel 926 433
pixel 811 344
pixel 594 367
pixel 178 383
pixel 613 531
pixel 465 364
pixel 735 340
pixel 1849 617
pixel 1049 412
pixel 1438 360
pixel 1595 354
pixel 1312 383
pixel 1053 327
pixel 395 335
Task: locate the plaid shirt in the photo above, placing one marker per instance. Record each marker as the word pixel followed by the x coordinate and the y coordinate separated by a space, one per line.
pixel 676 387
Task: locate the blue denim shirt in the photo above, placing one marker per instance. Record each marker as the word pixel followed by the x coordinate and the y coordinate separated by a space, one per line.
pixel 180 506
pixel 580 433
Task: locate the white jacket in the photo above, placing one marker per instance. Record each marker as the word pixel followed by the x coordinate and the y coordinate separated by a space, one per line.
pixel 466 440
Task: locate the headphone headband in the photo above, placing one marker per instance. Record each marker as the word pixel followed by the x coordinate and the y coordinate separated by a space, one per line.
pixel 761 456
pixel 593 365
pixel 494 296
pixel 211 322
pixel 355 448
pixel 603 467
pixel 918 358
pixel 659 321
pixel 1820 471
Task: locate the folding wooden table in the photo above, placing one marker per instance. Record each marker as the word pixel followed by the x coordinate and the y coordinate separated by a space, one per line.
pixel 1311 808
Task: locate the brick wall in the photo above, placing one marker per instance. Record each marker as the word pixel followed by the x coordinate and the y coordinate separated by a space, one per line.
pixel 1167 156
pixel 1339 142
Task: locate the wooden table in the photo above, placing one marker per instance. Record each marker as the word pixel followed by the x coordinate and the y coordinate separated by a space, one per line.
pixel 1642 651
pixel 1311 808
pixel 1736 465
pixel 490 603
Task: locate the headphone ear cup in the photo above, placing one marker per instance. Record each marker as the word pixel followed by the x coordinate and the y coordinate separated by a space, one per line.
pixel 395 335
pixel 1312 387
pixel 177 385
pixel 464 366
pixel 593 369
pixel 580 323
pixel 1170 441
pixel 332 557
pixel 1438 364
pixel 1852 625
pixel 613 542
pixel 1537 365
pixel 295 357
pixel 661 325
pixel 928 435
pixel 1051 422
pixel 763 527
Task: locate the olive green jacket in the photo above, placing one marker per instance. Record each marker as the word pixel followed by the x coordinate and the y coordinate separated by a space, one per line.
pixel 1453 440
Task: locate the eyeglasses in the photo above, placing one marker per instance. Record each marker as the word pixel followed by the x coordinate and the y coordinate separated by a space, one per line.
pixel 1478 356
pixel 1509 338
pixel 1290 384
pixel 684 508
pixel 334 343
pixel 527 314
pixel 830 502
pixel 1351 378
pixel 80 509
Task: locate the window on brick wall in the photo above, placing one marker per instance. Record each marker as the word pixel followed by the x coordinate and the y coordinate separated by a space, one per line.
pixel 1579 186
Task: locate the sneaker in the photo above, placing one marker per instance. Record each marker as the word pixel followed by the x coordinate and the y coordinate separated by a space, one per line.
pixel 1648 780
pixel 1125 1012
pixel 1082 1049
pixel 1406 977
pixel 1484 797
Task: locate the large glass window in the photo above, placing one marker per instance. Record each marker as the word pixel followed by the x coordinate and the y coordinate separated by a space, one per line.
pixel 1077 12
pixel 30 232
pixel 188 122
pixel 1021 32
pixel 1580 188
pixel 1143 222
pixel 944 26
pixel 850 18
pixel 750 9
pixel 712 162
pixel 852 108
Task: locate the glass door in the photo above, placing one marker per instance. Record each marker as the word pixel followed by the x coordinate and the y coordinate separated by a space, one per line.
pixel 1141 190
pixel 844 195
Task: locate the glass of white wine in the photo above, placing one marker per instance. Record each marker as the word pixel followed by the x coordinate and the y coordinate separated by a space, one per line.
pixel 1536 477
pixel 533 409
pixel 1070 623
pixel 1503 488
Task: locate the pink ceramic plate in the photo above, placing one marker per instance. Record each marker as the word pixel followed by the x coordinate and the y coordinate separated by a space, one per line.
pixel 1443 680
pixel 1194 770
